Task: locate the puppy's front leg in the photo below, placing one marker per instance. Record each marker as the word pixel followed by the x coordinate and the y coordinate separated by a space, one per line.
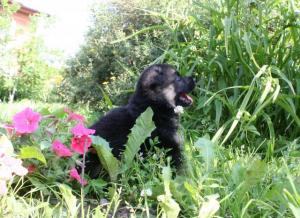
pixel 170 139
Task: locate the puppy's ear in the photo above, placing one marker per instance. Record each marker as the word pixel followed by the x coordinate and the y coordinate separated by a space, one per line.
pixel 151 80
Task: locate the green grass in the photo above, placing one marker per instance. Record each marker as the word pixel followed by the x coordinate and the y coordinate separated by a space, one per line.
pixel 246 186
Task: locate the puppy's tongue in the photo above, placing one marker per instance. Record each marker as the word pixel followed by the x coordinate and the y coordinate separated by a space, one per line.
pixel 186 98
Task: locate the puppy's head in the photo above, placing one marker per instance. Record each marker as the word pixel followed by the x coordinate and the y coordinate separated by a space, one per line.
pixel 162 85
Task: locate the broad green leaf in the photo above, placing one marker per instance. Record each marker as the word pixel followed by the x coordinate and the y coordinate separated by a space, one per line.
pixel 98 213
pixel 207 152
pixel 140 131
pixel 170 207
pixel 107 159
pixel 210 207
pixel 295 210
pixel 69 200
pixel 238 173
pixel 32 152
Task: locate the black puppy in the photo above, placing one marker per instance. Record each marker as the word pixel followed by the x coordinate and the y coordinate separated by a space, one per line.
pixel 159 87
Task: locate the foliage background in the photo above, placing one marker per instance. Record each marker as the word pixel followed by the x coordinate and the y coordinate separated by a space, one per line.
pixel 25 67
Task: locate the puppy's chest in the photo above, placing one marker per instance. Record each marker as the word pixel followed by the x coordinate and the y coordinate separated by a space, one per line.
pixel 168 122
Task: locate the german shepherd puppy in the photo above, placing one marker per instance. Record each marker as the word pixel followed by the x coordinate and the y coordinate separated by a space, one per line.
pixel 160 87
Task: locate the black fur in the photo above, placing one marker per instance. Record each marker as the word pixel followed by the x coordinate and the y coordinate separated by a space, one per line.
pixel 159 87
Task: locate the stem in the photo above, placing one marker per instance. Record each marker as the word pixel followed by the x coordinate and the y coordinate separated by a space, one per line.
pixel 82 178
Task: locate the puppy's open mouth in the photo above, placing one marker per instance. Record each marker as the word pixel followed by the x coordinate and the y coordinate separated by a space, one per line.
pixel 184 99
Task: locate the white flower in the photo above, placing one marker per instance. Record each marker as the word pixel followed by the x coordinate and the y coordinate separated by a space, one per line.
pixel 146 192
pixel 178 110
pixel 5 146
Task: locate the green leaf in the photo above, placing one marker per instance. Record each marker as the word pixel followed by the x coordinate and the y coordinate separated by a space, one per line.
pixel 140 131
pixel 218 106
pixel 107 100
pixel 207 152
pixel 32 152
pixel 227 27
pixel 107 159
pixel 252 128
pixel 244 104
pixel 295 210
pixel 69 199
pixel 59 112
pixel 238 173
pixel 170 207
pixel 255 172
pixel 284 103
pixel 209 207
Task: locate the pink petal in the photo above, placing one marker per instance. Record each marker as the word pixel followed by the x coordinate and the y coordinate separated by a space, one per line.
pixel 81 144
pixel 74 175
pixel 79 130
pixel 60 149
pixel 26 121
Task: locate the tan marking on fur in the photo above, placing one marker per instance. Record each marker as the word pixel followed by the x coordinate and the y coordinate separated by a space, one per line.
pixel 170 94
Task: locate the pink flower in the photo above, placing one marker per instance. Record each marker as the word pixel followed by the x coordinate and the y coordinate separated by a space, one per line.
pixel 79 130
pixel 81 144
pixel 74 175
pixel 60 149
pixel 74 116
pixel 26 121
